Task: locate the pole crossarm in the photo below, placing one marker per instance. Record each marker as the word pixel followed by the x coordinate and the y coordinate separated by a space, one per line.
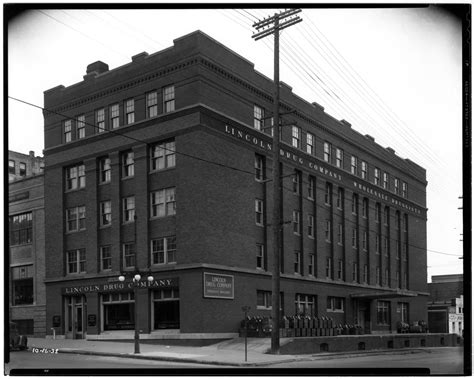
pixel 270 19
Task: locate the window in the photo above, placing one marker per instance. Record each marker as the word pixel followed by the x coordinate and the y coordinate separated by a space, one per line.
pixel 364 170
pixel 377 244
pixel 129 111
pixel 163 202
pixel 405 280
pixel 335 304
pixel 311 265
pixel 377 212
pixel 365 207
pixel 376 176
pixel 366 274
pixel 105 213
pixel 75 177
pixel 259 167
pixel 328 267
pixel 310 226
pixel 310 143
pixel 76 219
pixel 354 272
pixel 128 214
pixel 354 165
pixel 385 278
pixel 386 216
pixel 296 137
pixel 152 104
pixel 163 155
pixel 328 194
pixel 405 222
pixel 100 120
pixel 364 240
pixel 297 262
pixel 168 99
pixel 114 116
pixel 264 299
pixel 11 167
pixel 296 222
pixel 311 187
pixel 327 152
pixel 377 276
pixel 404 189
pixel 128 164
pixel 340 198
pixel 258 116
pixel 340 270
pixel 259 212
pixel 305 305
pixel 328 230
pixel 339 234
pixel 354 238
pixel 339 158
pixel 22 285
pixel 81 126
pixel 22 169
pixel 385 246
pixel 76 261
pixel 385 180
pixel 403 312
pixel 21 226
pixel 396 184
pixel 105 170
pixel 260 256
pixel 128 255
pixel 383 312
pixel 163 250
pixel 67 131
pixel 355 201
pixel 296 182
pixel 105 258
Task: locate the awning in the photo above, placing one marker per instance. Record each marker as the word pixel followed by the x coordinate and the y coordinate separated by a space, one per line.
pixel 383 294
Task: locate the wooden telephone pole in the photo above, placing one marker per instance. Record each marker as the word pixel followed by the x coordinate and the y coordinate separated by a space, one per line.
pixel 280 21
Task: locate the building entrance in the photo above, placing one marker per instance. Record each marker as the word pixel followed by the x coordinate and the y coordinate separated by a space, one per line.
pixel 76 314
pixel 363 315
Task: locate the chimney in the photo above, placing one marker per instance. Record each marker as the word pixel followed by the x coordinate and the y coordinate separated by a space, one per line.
pixel 95 69
pixel 32 154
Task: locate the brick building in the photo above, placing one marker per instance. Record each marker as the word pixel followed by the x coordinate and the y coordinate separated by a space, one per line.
pixel 21 165
pixel 162 165
pixel 26 292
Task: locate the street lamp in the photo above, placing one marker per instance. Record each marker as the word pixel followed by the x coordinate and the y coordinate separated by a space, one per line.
pixel 136 277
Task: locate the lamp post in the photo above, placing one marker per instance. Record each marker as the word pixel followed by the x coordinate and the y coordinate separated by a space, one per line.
pixel 245 309
pixel 136 277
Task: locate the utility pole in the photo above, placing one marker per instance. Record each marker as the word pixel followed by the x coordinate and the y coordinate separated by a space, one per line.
pixel 280 22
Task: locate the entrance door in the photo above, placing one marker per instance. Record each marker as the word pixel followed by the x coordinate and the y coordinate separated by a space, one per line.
pixel 364 316
pixel 79 322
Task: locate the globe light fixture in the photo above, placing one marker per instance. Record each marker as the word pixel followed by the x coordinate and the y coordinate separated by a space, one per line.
pixel 137 277
pixel 121 278
pixel 150 278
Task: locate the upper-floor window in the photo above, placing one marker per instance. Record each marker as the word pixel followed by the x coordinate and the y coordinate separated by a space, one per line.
pixel 311 226
pixel 22 169
pixel 259 212
pixel 296 182
pixel 311 187
pixel 355 201
pixel 163 250
pixel 75 177
pixel 404 189
pixel 366 274
pixel 385 180
pixel 340 198
pixel 163 155
pixel 152 104
pixel 129 255
pixel 363 170
pixel 328 267
pixel 327 152
pixel 365 207
pixel 328 230
pixel 168 99
pixel 259 167
pixel 377 176
pixel 67 131
pixel 260 256
pixel 81 126
pixel 22 285
pixel 297 262
pixel 354 238
pixel 11 167
pixel 128 209
pixel 386 216
pixel 339 158
pixel 364 240
pixel 105 258
pixel 328 194
pixel 258 117
pixel 354 164
pixel 296 137
pixel 396 184
pixel 76 219
pixel 105 213
pixel 130 111
pixel 21 226
pixel 311 265
pixel 296 222
pixel 163 202
pixel 377 212
pixel 76 261
pixel 100 120
pixel 114 116
pixel 340 234
pixel 310 143
pixel 104 170
pixel 355 270
pixel 128 164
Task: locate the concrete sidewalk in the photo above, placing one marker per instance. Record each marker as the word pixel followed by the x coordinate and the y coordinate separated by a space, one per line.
pixel 227 353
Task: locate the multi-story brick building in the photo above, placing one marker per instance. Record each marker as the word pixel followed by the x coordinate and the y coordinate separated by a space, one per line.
pixel 22 165
pixel 27 293
pixel 162 165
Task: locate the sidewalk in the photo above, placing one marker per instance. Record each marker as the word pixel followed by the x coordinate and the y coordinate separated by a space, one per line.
pixel 227 353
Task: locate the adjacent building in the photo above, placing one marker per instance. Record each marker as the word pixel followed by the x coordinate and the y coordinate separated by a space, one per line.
pixel 27 293
pixel 163 166
pixel 446 304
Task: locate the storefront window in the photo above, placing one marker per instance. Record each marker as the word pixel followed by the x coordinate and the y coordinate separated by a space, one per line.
pixel 119 311
pixel 166 309
pixel 383 312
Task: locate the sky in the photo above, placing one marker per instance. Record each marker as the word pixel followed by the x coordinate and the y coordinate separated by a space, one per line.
pixel 392 73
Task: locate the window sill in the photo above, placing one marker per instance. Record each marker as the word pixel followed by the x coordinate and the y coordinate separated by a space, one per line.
pixel 74 231
pixel 104 183
pixel 161 170
pixel 105 226
pixel 74 189
pixel 127 177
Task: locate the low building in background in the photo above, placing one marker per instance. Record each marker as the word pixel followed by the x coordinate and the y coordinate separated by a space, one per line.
pixel 446 304
pixel 26 292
